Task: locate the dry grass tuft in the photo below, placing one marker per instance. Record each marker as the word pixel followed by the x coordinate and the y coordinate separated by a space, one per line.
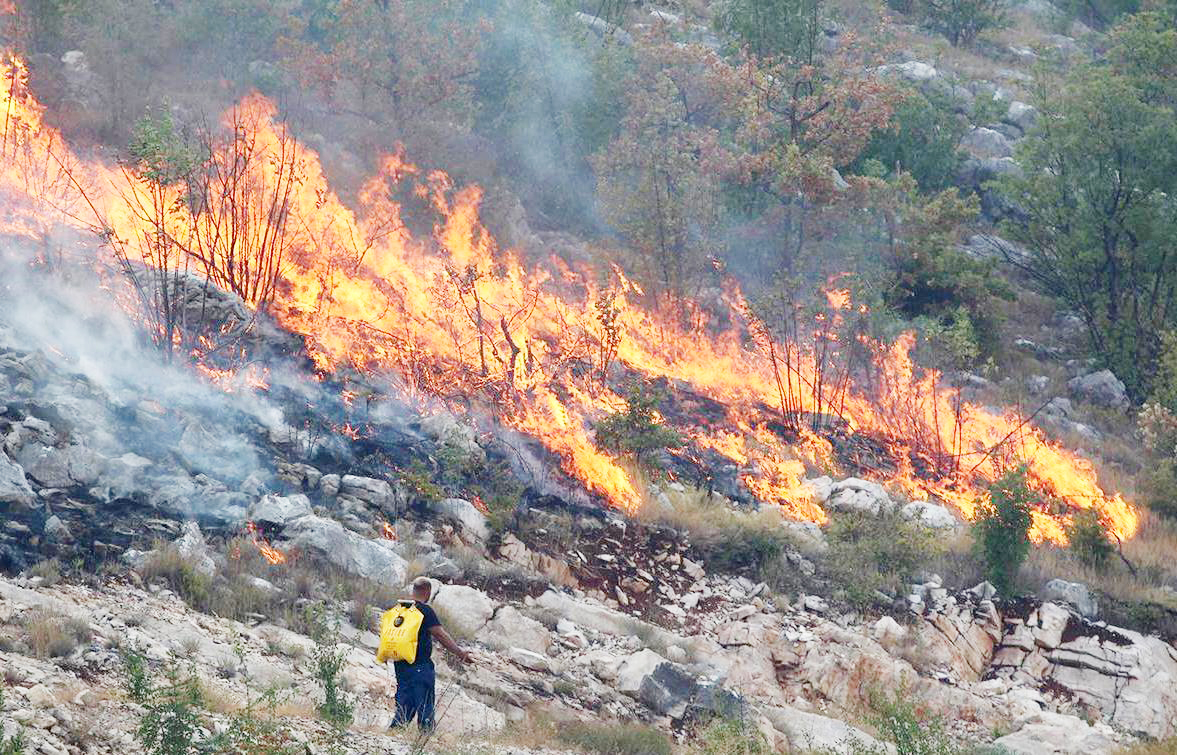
pixel 54 635
pixel 1166 747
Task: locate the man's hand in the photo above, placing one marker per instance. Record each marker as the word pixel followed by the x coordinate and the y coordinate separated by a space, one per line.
pixel 467 656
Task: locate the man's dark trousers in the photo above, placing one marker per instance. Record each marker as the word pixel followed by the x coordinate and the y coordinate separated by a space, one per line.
pixel 414 694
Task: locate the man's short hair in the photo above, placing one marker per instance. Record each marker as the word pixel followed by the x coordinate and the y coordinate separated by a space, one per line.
pixel 423 584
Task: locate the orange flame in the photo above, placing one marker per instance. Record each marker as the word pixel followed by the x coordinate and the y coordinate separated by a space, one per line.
pixel 269 552
pixel 456 314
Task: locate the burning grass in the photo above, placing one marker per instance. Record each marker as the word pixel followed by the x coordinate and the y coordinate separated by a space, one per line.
pixel 458 318
pixel 1145 600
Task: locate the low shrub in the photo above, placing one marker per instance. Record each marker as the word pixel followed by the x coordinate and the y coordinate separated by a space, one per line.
pixel 336 708
pixel 731 736
pixel 962 21
pixel 1159 488
pixel 870 554
pixel 165 563
pixel 49 571
pixel 1089 540
pixel 612 738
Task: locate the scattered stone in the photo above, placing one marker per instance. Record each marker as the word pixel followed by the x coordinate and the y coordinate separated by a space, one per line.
pixel 530 660
pixel 815 604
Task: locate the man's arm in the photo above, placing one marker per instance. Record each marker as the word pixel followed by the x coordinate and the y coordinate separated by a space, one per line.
pixel 447 642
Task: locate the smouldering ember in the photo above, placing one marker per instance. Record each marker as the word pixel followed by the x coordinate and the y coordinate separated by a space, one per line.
pixel 458 318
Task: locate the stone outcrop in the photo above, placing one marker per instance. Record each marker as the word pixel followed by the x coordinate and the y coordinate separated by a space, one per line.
pixel 1129 678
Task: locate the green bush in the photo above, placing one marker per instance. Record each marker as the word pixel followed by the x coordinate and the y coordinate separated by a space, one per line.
pixel 875 553
pixel 335 708
pixel 742 547
pixel 921 139
pixel 929 277
pixel 1160 489
pixel 770 28
pixel 961 21
pixel 731 736
pixel 901 722
pixel 637 431
pixel 1089 540
pixel 171 716
pixel 1002 529
pixel 611 738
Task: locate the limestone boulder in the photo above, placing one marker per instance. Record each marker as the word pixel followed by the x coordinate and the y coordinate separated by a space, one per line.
pixel 328 539
pixel 810 732
pixel 1052 734
pixel 986 143
pixel 1101 388
pixel 14 487
pixel 472 520
pixel 859 496
pixel 278 510
pixel 463 609
pixel 931 515
pixel 635 668
pixel 1129 678
pixel 1074 594
pixel 510 628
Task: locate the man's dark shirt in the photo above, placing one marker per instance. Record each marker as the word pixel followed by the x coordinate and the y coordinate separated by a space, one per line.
pixel 424 639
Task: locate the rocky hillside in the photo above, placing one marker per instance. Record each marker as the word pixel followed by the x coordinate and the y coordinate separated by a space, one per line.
pixel 580 614
pixel 199 530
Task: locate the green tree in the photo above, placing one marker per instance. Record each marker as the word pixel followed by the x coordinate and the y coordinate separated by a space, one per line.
pixel 961 21
pixel 1097 200
pixel 1002 529
pixel 925 274
pixel 921 139
pixel 658 180
pixel 637 430
pixel 1104 13
pixel 771 28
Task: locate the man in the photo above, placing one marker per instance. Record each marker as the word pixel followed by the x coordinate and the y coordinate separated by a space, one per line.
pixel 415 682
